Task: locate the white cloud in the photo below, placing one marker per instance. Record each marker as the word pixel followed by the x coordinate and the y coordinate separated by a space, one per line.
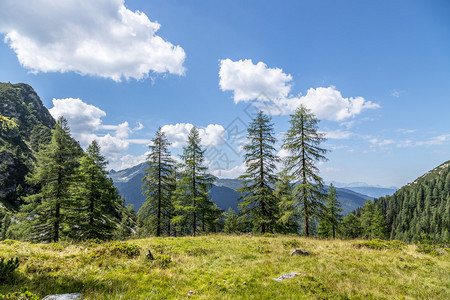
pixel 258 82
pixel 328 103
pixel 230 173
pixel 338 134
pixel 381 143
pixel 177 134
pixel 85 120
pixel 249 81
pixel 435 141
pixel 101 38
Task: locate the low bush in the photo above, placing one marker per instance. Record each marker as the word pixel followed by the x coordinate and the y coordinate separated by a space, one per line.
pixel 124 248
pixel 378 244
pixel 24 295
pixel 6 268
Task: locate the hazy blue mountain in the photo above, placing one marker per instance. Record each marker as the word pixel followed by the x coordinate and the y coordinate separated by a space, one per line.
pixel 223 192
pixel 373 191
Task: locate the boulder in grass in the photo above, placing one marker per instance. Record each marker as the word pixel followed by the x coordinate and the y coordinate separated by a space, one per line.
pixel 286 276
pixel 74 296
pixel 299 252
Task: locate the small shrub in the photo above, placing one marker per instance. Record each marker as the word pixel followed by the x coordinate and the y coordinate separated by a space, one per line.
pixel 92 243
pixel 427 249
pixel 198 251
pixel 291 244
pixel 378 244
pixel 6 268
pixel 123 248
pixel 9 242
pixel 268 234
pixel 24 295
pixel 162 261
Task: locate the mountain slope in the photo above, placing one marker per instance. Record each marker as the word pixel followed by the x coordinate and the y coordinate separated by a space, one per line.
pixel 223 192
pixel 422 206
pixel 18 146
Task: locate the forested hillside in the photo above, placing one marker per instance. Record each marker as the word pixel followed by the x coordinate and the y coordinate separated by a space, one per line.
pixel 421 207
pixel 18 146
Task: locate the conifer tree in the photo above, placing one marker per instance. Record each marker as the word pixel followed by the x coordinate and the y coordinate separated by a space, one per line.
pixel 158 186
pixel 332 210
pixel 192 193
pixel 350 226
pixel 97 200
pixel 47 211
pixel 258 198
pixel 302 141
pixel 231 224
pixel 289 217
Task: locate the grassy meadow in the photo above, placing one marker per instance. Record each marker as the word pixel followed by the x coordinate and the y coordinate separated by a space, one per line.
pixel 227 267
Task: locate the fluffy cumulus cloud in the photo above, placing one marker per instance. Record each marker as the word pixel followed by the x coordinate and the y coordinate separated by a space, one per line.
pixel 101 38
pixel 85 122
pixel 250 81
pixel 177 134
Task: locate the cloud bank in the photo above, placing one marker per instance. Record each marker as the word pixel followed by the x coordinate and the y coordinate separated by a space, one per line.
pixel 99 38
pixel 249 81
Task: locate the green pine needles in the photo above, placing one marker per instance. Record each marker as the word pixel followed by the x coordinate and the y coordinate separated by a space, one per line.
pixel 258 198
pixel 302 142
pixel 159 187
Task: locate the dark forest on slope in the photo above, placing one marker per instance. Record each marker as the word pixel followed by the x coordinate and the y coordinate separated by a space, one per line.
pixel 422 206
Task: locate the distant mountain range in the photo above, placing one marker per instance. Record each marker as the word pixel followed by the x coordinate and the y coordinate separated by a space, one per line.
pixel 224 194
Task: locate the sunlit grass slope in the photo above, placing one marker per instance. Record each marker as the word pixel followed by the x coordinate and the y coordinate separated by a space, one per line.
pixel 227 267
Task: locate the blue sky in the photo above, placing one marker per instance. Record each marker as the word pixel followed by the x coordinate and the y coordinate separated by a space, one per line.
pixel 377 74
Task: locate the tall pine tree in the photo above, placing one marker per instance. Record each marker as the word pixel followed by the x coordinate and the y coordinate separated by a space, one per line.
pixel 47 211
pixel 302 141
pixel 193 203
pixel 332 210
pixel 258 198
pixel 97 201
pixel 159 187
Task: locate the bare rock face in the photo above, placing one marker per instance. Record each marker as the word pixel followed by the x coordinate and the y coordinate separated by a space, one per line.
pixel 299 252
pixel 74 296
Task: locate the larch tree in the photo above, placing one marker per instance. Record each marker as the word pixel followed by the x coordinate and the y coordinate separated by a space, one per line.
pixel 258 198
pixel 302 142
pixel 193 203
pixel 332 211
pixel 97 207
pixel 158 186
pixel 47 211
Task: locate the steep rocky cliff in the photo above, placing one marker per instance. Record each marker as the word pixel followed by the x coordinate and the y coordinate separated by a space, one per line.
pixel 18 146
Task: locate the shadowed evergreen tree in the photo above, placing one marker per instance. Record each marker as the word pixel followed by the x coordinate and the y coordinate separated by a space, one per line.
pixel 192 202
pixel 97 201
pixel 350 226
pixel 289 217
pixel 159 186
pixel 332 215
pixel 5 232
pixel 258 198
pixel 302 141
pixel 7 123
pixel 231 224
pixel 47 211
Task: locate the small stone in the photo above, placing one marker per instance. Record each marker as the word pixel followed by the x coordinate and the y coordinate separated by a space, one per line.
pixel 190 293
pixel 299 252
pixel 73 296
pixel 286 276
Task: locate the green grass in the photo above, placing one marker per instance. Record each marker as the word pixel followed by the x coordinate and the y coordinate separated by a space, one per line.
pixel 228 267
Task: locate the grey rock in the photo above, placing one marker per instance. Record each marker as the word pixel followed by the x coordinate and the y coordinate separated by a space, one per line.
pixel 286 276
pixel 299 252
pixel 74 296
